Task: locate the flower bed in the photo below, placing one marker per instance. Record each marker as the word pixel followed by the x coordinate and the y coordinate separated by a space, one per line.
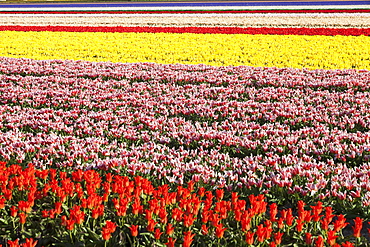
pixel 150 135
pixel 295 51
pixel 85 207
pixel 285 133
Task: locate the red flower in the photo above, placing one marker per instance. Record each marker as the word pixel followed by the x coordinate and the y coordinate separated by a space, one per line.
pixel 171 242
pixel 319 241
pixel 95 213
pixel 151 225
pixel 64 220
pixel 157 233
pixel 77 215
pixel 238 214
pixel 136 207
pixel 329 214
pixel 219 194
pixel 348 244
pixel 246 224
pixel 30 243
pixel 340 223
pixel 289 217
pixel 278 237
pixel 106 235
pixel 249 238
pixel 58 208
pixel 273 212
pixel 45 213
pixel 177 214
pixel 22 217
pixel 206 215
pixel 325 224
pixel 299 225
pixel 163 215
pixel 308 238
pixel 357 228
pixel 134 230
pixel 317 211
pixel 201 192
pixel 188 239
pixel 188 220
pixel 14 243
pixel 109 177
pixel 108 229
pixel 300 206
pixel 70 224
pixel 204 230
pixel 25 206
pixel 331 238
pixel 2 202
pixel 281 223
pixel 261 233
pixel 170 229
pixel 191 186
pixel 13 211
pixel 220 231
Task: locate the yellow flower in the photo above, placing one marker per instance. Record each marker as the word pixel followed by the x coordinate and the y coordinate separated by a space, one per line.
pixel 296 51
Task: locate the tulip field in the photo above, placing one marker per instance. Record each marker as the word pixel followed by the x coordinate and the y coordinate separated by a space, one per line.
pixel 185 124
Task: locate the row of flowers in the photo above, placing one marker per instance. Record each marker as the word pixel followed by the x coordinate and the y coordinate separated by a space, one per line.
pixel 101 208
pixel 201 30
pixel 191 11
pixel 292 134
pixel 295 51
pixel 276 20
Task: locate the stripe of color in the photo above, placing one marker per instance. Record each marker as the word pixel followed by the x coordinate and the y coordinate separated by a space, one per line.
pixel 204 30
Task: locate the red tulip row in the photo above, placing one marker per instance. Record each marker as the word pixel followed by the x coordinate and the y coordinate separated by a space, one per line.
pixel 211 30
pixel 99 206
pixel 194 11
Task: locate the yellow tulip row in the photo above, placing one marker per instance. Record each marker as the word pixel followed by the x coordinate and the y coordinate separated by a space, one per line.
pixel 294 51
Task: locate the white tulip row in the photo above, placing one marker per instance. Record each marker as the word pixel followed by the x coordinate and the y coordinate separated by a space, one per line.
pixel 51 8
pixel 335 20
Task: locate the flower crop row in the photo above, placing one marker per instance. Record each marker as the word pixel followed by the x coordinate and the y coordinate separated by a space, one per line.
pixel 191 11
pixel 200 30
pixel 280 20
pixel 295 51
pixel 100 208
pixel 292 134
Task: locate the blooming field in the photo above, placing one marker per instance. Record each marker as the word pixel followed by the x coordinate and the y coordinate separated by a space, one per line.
pixel 175 145
pixel 295 51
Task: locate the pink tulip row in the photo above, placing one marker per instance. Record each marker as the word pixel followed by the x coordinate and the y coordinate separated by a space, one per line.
pixel 266 128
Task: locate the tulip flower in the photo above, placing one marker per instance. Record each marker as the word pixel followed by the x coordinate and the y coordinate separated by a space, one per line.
pixel 319 241
pixel 249 237
pixel 22 218
pixel 157 233
pixel 308 238
pixel 357 227
pixel 134 230
pixel 188 239
pixel 170 229
pixel 171 242
pixel 14 243
pixel 108 229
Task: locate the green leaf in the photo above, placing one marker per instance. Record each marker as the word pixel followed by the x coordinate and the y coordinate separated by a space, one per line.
pixel 4 221
pixel 93 234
